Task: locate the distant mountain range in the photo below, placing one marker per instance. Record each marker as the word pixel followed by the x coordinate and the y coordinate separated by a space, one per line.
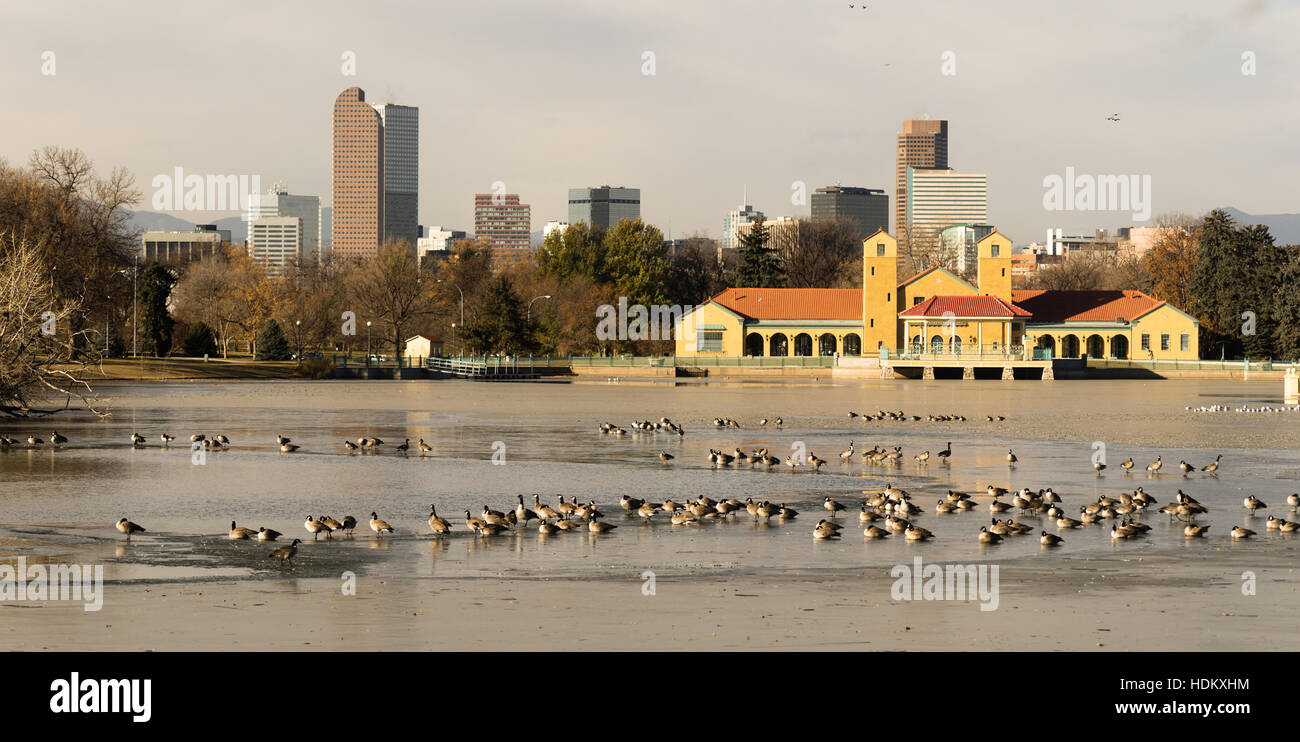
pixel 1285 228
pixel 150 221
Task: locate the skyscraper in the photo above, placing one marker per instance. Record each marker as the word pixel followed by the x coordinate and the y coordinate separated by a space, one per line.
pixel 276 242
pixel 357 177
pixel 938 199
pixel 604 207
pixel 923 144
pixel 375 174
pixel 501 219
pixel 866 208
pixel 401 171
pixel 743 214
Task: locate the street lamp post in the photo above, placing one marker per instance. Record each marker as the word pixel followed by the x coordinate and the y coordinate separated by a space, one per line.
pixel 453 336
pixel 530 305
pixel 367 342
pixel 297 335
pixel 462 302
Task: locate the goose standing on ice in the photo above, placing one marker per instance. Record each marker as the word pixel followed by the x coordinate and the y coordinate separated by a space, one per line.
pixel 1185 467
pixel 665 457
pixel 349 445
pixel 285 553
pixel 1293 500
pixel 281 440
pixel 316 527
pixel 266 534
pixel 127 527
pixel 165 438
pixel 1011 458
pixel 945 453
pixel 379 526
pixel 1253 503
pixel 1127 464
pixel 438 524
pixel 57 439
pixel 404 446
pixel 137 439
pixel 425 447
pixel 1154 466
pixel 1213 466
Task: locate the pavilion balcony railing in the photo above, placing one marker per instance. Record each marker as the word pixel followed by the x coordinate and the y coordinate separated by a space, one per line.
pixel 962 353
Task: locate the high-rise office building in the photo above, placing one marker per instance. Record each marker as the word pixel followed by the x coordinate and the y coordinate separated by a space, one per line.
pixel 375 175
pixel 278 202
pixel 866 208
pixel 742 214
pixel 923 144
pixel 604 207
pixel 401 171
pixel 501 219
pixel 276 242
pixel 938 199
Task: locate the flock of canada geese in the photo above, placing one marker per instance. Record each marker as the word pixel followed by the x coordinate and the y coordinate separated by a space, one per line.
pixel 893 508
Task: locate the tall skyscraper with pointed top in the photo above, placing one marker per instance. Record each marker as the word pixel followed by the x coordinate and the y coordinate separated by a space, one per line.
pixel 922 143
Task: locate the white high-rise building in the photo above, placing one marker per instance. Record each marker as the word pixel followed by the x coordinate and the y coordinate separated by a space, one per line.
pixel 940 198
pixel 401 171
pixel 742 214
pixel 277 202
pixel 437 239
pixel 275 241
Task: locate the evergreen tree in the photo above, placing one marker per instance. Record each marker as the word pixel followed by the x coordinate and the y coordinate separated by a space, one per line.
pixel 156 322
pixel 271 343
pixel 199 340
pixel 1286 307
pixel 758 265
pixel 501 326
pixel 1235 281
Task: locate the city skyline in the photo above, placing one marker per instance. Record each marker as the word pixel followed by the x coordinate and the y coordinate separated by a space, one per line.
pixel 1182 119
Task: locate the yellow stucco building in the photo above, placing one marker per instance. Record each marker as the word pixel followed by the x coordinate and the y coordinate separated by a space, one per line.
pixel 935 312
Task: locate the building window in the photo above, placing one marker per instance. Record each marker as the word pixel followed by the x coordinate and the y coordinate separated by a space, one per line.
pixel 917 300
pixel 1184 342
pixel 1164 341
pixel 996 250
pixel 709 341
pixel 1146 341
pixel 880 250
pixel 873 323
pixel 889 296
pixel 873 270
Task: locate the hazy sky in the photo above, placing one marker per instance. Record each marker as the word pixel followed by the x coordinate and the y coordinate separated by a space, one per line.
pixel 546 95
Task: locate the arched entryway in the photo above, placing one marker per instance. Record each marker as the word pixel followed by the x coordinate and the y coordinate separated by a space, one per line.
pixel 778 346
pixel 1119 347
pixel 753 344
pixel 1048 342
pixel 803 344
pixel 826 344
pixel 852 344
pixel 916 345
pixel 954 345
pixel 1096 347
pixel 936 344
pixel 1069 346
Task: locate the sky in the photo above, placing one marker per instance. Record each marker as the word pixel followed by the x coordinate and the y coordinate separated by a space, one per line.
pixel 747 97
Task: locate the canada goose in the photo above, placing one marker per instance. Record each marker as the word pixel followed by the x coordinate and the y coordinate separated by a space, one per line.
pixel 866 516
pixel 333 524
pixel 647 510
pixel 916 533
pixel 815 461
pixel 349 445
pixel 822 532
pixel 491 529
pixel 524 514
pixel 767 510
pixel 424 447
pixel 1239 532
pixel 1273 523
pixel 847 453
pixel 566 508
pixel 1253 503
pixel 785 513
pixel 1011 458
pixel 241 534
pixel 832 506
pixel 127 527
pixel 1293 500
pixel 199 436
pixel 281 440
pixel 405 445
pixel 285 553
pixel 946 452
pixel 1191 530
pixel 922 457
pixel 317 527
pixel 1127 464
pixel 1117 533
pixel 492 516
pixel 56 439
pixel 166 438
pixel 349 524
pixel 1016 528
pixel 629 503
pixel 436 523
pixel 137 439
pixel 1213 466
pixel 1154 466
pixel 683 518
pixel 288 447
pixel 222 439
pixel 1287 526
pixel 596 526
pixel 779 421
pixel 791 462
pixel 34 441
pixel 1185 467
pixel 266 534
pixel 546 529
pixel 875 532
pixel 997 491
pixel 543 510
pixel 665 457
pixel 1068 523
pixel 997 506
pixel 1047 539
pixel 1098 467
pixel 379 526
pixel 943 507
pixel 472 523
pixel 897 525
pixel 988 537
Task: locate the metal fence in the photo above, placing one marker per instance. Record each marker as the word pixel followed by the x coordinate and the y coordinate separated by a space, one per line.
pixel 978 353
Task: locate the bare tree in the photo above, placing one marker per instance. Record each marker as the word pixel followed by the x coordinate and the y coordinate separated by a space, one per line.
pixel 389 288
pixel 817 254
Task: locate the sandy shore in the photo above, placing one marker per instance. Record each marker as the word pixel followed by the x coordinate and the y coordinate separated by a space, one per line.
pixel 1111 603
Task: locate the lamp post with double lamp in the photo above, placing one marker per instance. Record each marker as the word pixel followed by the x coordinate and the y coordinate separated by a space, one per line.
pixel 530 305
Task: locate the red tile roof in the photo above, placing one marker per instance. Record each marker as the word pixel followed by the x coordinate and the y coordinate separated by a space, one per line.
pixel 793 303
pixel 1085 306
pixel 964 306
